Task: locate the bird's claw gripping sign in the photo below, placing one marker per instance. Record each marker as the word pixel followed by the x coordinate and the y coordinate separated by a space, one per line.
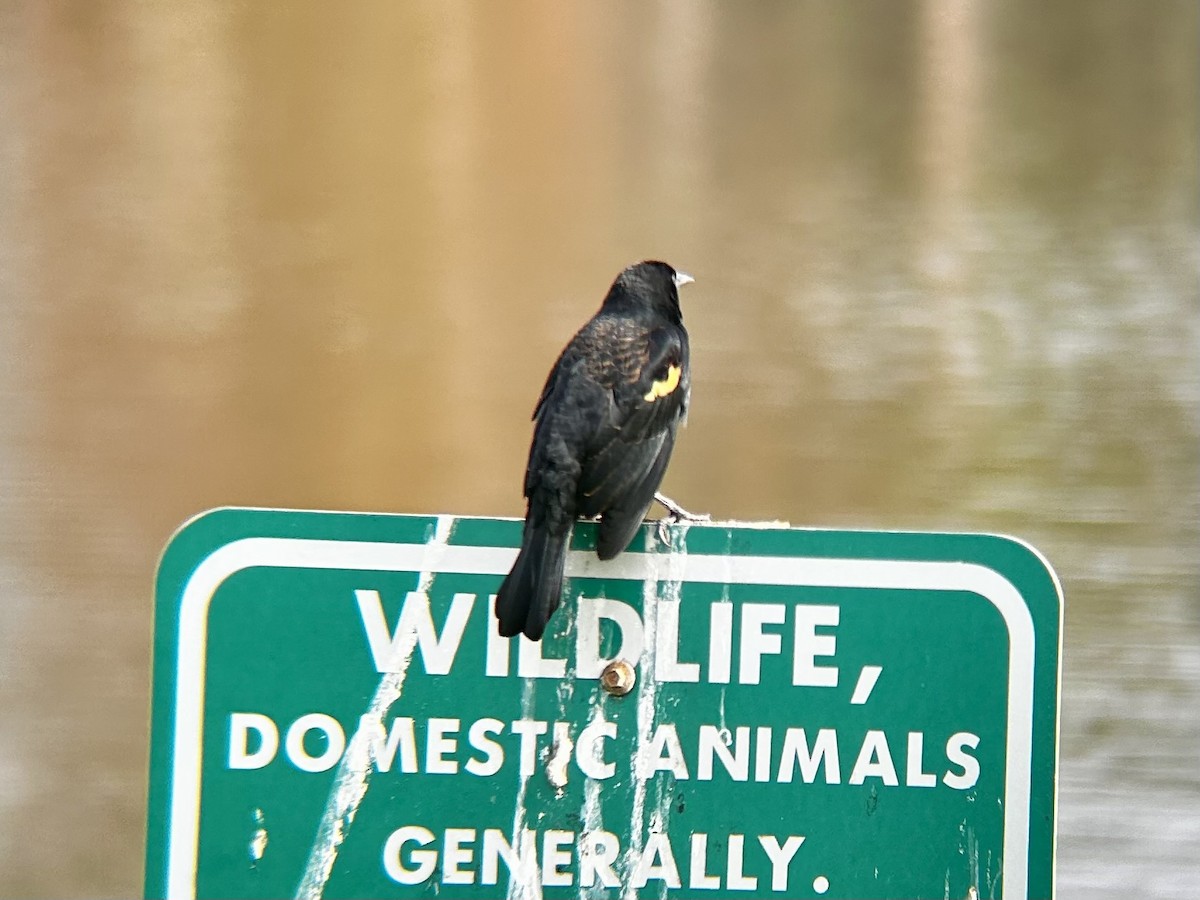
pixel 813 714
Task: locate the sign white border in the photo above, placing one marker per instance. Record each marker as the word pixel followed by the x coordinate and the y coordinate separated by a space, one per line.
pixel 184 816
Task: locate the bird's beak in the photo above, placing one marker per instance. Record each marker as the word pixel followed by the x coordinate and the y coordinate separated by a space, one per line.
pixel 682 278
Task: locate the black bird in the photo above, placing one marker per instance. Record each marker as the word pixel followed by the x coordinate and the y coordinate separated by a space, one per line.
pixel 605 428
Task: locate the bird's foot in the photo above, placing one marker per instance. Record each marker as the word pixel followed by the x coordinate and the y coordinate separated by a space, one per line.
pixel 675 513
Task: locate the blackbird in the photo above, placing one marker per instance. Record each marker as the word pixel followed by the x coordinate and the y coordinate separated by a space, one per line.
pixel 604 429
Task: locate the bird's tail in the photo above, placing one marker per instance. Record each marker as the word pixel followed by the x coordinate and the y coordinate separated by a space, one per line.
pixel 533 589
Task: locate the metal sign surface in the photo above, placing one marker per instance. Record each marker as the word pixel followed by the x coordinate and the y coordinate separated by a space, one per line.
pixel 815 714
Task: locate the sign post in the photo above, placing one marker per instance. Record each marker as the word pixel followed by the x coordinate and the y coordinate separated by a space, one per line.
pixel 754 712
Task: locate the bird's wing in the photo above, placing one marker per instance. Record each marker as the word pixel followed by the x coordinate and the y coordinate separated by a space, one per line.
pixel 621 520
pixel 633 447
pixel 656 396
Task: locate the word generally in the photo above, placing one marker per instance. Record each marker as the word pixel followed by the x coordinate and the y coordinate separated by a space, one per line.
pixel 409 857
pixel 762 753
pixel 391 650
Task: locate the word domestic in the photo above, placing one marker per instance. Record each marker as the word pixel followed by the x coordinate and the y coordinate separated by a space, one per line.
pixel 413 854
pixel 705 752
pixel 759 630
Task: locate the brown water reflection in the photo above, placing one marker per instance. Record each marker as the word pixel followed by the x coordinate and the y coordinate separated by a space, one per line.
pixel 947 278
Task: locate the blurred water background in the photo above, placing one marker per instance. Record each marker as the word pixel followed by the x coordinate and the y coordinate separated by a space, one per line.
pixel 318 255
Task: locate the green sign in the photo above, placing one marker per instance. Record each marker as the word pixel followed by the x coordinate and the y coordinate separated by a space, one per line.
pixel 812 714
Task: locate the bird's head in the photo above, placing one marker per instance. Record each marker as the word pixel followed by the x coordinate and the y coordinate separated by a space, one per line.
pixel 650 284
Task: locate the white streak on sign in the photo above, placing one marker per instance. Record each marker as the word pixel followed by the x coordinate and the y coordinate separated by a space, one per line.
pixel 524 883
pixel 560 752
pixel 591 816
pixel 660 815
pixel 354 771
pixel 560 757
pixel 647 711
pixel 645 724
pixel 258 843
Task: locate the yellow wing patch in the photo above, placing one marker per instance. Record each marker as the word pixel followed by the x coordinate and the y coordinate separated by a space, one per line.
pixel 666 386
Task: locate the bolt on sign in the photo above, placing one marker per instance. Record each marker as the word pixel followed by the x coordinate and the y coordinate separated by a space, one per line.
pixel 751 712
